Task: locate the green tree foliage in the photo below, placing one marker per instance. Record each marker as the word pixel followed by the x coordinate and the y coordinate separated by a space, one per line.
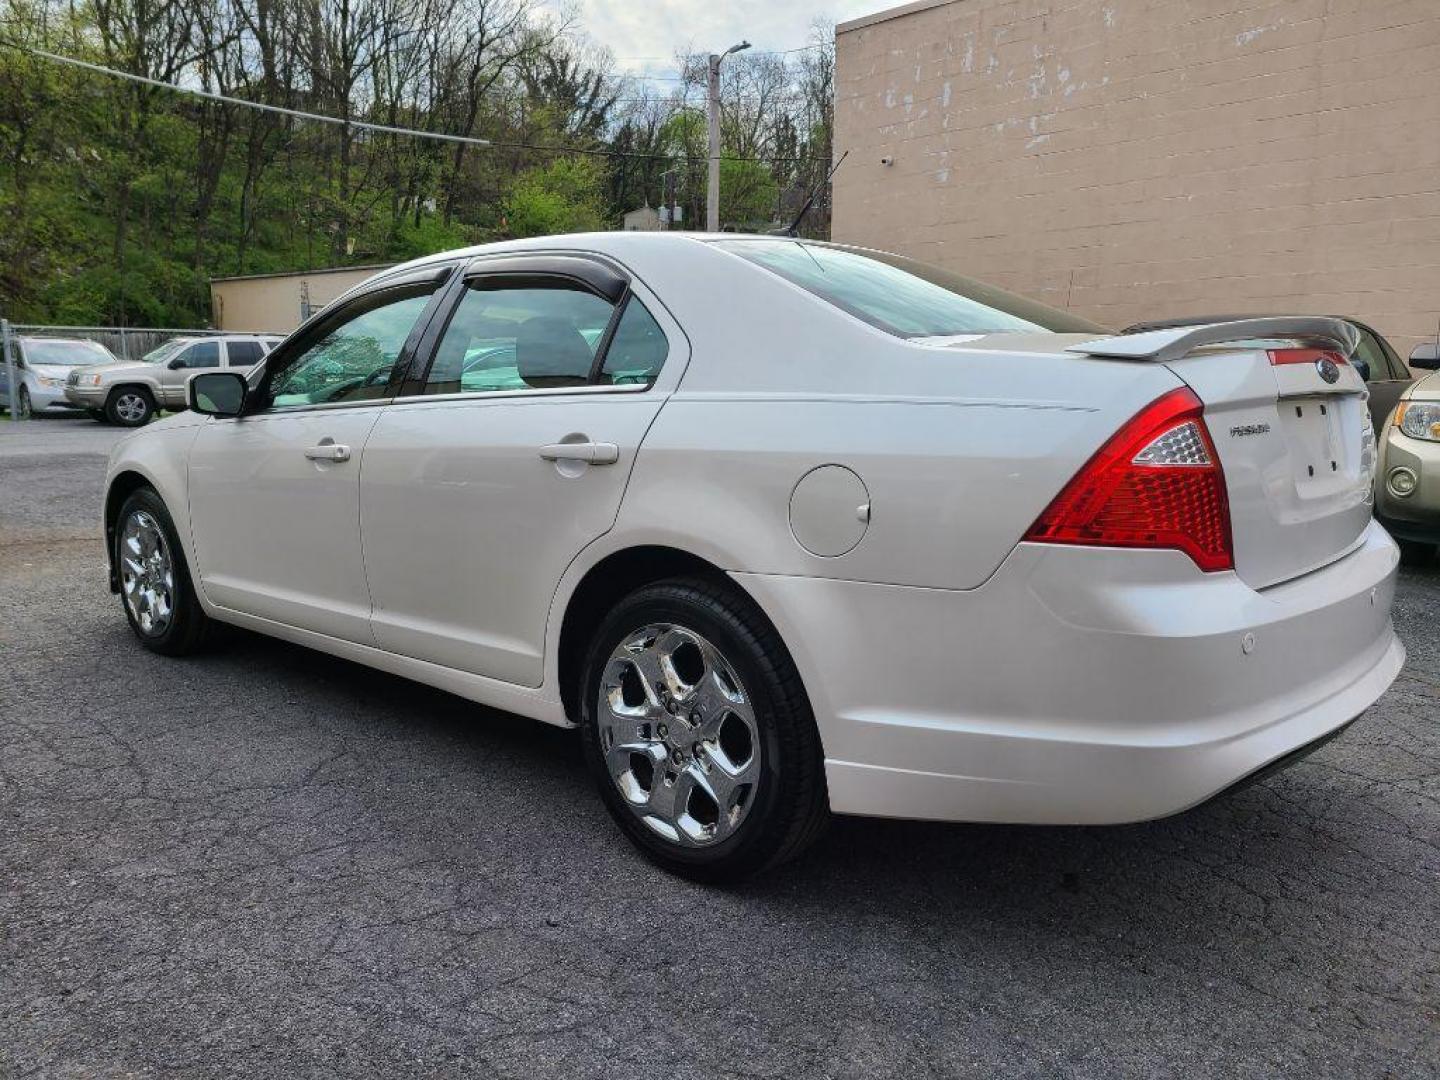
pixel 120 201
pixel 564 196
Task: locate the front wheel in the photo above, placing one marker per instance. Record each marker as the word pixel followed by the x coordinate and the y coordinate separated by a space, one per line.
pixel 155 585
pixel 23 404
pixel 699 733
pixel 130 406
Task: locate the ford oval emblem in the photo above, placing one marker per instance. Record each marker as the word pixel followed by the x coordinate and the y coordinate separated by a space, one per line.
pixel 1327 369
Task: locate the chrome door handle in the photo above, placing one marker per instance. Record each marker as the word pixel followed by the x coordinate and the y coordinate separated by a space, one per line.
pixel 328 452
pixel 596 453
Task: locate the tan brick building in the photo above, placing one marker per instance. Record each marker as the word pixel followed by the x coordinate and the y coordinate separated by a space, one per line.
pixel 1137 159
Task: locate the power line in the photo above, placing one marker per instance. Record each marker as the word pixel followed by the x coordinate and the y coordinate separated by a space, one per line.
pixel 211 96
pixel 384 128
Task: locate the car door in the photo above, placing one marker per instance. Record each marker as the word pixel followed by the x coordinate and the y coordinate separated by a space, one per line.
pixel 275 494
pixel 508 455
pixel 1385 376
pixel 175 374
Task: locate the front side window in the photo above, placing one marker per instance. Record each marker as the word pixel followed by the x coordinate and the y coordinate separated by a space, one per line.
pixel 163 354
pixel 202 354
pixel 519 335
pixel 354 354
pixel 901 296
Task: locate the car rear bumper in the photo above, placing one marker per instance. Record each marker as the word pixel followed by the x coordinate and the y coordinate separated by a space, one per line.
pixel 1081 686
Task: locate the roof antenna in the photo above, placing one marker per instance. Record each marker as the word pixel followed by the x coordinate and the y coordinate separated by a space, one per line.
pixel 794 229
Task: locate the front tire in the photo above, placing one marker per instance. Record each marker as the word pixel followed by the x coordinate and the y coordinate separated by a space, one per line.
pixel 130 406
pixel 23 404
pixel 699 733
pixel 156 590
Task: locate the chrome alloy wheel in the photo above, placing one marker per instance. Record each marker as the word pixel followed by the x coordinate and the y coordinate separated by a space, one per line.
pixel 678 733
pixel 131 407
pixel 147 573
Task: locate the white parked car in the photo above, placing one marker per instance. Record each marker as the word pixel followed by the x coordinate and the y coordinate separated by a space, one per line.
pixel 42 364
pixel 787 527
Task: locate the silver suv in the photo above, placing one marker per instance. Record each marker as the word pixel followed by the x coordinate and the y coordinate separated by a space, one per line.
pixel 131 393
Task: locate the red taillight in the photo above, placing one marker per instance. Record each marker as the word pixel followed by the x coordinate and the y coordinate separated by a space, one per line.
pixel 1281 357
pixel 1156 484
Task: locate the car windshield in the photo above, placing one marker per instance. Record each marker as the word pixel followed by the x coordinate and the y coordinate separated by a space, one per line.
pixel 164 352
pixel 66 353
pixel 901 296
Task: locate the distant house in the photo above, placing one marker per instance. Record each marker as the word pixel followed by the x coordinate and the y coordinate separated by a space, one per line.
pixel 645 219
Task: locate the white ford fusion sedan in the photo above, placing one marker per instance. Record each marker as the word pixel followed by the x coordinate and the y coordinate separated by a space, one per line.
pixel 787 528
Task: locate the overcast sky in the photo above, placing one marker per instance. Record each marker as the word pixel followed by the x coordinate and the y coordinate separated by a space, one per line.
pixel 645 34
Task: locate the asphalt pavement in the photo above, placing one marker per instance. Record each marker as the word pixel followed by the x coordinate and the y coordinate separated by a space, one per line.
pixel 266 862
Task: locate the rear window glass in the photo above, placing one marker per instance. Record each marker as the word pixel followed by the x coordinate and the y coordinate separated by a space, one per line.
pixel 901 296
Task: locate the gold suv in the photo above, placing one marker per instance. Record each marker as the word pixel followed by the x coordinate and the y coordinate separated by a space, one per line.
pixel 1407 487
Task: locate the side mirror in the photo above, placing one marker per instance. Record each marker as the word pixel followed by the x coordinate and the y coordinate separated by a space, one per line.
pixel 176 364
pixel 1426 356
pixel 218 393
pixel 1362 367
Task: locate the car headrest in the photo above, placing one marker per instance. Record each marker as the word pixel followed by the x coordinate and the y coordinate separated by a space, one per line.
pixel 549 351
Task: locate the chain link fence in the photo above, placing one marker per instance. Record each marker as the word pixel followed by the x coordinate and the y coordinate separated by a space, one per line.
pixel 125 342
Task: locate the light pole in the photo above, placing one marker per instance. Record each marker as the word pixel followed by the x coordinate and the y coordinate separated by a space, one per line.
pixel 712 194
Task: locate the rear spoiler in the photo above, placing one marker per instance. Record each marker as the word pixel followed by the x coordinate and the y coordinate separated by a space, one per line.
pixel 1167 345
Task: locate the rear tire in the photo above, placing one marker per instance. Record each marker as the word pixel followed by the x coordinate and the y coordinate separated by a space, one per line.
pixel 156 590
pixel 1415 553
pixel 130 406
pixel 715 771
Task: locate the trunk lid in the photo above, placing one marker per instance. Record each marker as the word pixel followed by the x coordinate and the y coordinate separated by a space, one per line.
pixel 1291 427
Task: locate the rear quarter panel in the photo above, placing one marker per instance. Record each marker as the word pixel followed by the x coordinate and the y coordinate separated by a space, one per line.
pixel 959 447
pixel 952 480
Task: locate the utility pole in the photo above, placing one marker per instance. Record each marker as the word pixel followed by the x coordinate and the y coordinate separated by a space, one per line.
pixel 712 194
pixel 12 388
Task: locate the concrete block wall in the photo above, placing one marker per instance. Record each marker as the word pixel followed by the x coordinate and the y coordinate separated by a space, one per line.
pixel 1134 159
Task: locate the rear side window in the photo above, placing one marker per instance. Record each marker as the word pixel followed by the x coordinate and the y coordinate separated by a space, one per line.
pixel 901 296
pixel 519 335
pixel 637 351
pixel 244 354
pixel 1374 357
